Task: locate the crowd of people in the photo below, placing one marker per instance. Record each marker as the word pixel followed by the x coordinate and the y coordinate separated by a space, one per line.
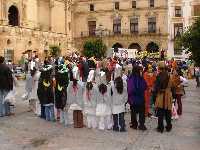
pixel 95 92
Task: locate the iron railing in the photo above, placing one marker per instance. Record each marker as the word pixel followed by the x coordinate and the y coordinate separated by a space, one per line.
pixel 104 33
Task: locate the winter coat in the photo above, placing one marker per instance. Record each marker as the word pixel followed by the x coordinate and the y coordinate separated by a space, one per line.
pixel 45 94
pixel 61 91
pixel 6 78
pixel 136 87
pixel 177 84
pixel 164 97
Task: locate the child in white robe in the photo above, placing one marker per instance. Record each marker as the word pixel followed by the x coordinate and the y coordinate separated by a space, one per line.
pixel 103 109
pixel 75 98
pixel 119 98
pixel 90 100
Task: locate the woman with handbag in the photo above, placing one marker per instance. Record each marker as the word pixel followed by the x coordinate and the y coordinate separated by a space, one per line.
pixel 163 103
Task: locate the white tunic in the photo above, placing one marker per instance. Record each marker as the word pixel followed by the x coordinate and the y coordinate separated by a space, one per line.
pixel 90 101
pixel 118 100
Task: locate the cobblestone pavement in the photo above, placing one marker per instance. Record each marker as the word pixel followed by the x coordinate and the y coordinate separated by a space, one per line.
pixel 24 131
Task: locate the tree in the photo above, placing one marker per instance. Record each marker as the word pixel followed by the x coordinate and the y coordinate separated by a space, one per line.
pixel 54 50
pixel 94 48
pixel 190 41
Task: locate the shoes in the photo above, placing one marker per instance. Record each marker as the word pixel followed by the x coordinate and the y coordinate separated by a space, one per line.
pixel 160 129
pixel 133 126
pixel 143 128
pixel 168 128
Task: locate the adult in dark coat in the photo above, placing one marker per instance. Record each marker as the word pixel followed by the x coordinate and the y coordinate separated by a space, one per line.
pixel 62 82
pixel 136 87
pixel 6 85
pixel 45 91
pixel 85 69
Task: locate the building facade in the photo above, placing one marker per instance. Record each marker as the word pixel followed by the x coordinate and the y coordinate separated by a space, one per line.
pixel 181 14
pixel 32 25
pixel 133 24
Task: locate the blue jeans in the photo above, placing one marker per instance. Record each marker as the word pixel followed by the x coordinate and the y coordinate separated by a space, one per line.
pixel 49 112
pixel 4 107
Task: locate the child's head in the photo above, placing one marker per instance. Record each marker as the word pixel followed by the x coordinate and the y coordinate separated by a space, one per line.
pixel 89 86
pixel 102 88
pixel 119 85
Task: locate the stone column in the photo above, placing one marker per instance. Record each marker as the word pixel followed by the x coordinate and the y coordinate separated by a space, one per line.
pixel 3 12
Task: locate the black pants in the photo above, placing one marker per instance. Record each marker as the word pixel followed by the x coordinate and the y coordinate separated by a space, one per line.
pixel 163 113
pixel 119 122
pixel 43 112
pixel 197 80
pixel 135 110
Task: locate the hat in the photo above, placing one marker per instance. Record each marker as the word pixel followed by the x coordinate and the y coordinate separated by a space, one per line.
pixel 90 76
pixel 161 64
pixel 62 68
pixel 47 67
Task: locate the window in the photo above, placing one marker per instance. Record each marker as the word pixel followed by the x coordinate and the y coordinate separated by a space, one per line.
pixel 117 5
pixel 13 16
pixel 152 25
pixel 117 26
pixel 178 11
pixel 91 7
pixel 133 4
pixel 151 3
pixel 92 27
pixel 134 25
pixel 178 29
pixel 9 54
pixel 196 10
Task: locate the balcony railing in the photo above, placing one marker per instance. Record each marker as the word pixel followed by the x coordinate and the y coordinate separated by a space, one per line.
pixel 15 30
pixel 104 33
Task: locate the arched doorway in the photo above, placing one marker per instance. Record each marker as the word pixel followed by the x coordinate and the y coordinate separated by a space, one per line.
pixel 116 46
pixel 13 16
pixel 135 46
pixel 152 47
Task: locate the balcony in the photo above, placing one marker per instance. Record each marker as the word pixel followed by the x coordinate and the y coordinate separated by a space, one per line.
pixel 124 32
pixel 22 31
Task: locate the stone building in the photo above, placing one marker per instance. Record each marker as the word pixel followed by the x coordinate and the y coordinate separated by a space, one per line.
pixel 133 24
pixel 32 25
pixel 181 14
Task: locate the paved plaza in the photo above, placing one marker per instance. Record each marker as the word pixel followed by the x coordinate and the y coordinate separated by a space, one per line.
pixel 25 131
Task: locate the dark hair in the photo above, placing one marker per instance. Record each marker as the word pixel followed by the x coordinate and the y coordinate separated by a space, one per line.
pixel 136 70
pixel 75 82
pixel 119 85
pixel 164 79
pixel 1 59
pixel 89 86
pixel 102 88
pixel 33 71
